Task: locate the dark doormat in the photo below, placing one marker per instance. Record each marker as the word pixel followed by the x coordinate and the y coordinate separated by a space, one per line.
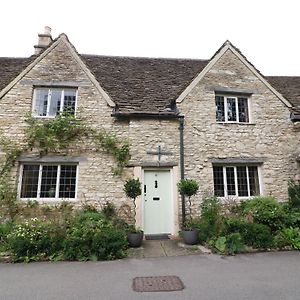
pixel 164 236
pixel 157 284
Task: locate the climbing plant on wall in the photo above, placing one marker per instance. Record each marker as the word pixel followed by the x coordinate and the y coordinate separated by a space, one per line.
pixel 57 135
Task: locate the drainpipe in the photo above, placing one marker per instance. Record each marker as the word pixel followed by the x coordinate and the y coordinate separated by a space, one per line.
pixel 181 128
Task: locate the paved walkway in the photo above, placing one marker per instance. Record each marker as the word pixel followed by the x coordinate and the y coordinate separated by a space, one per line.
pixel 160 248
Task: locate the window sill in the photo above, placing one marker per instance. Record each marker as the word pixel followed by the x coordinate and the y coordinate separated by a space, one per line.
pixel 48 200
pixel 236 198
pixel 235 123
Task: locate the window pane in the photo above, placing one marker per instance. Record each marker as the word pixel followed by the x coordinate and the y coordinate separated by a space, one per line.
pixel 231 109
pixel 243 110
pixel 67 182
pixel 242 182
pixel 218 181
pixel 230 181
pixel 69 101
pixel 41 100
pixel 254 181
pixel 220 110
pixel 55 102
pixel 30 178
pixel 48 184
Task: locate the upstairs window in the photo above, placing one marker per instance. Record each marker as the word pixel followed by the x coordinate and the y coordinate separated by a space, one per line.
pixel 52 182
pixel 49 102
pixel 232 109
pixel 236 181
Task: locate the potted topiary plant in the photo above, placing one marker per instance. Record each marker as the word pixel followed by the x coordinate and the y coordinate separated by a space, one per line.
pixel 132 189
pixel 188 187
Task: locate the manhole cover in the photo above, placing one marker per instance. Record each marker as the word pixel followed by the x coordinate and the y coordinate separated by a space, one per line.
pixel 157 284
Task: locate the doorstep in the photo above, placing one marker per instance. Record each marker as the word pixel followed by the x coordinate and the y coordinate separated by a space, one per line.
pixel 163 248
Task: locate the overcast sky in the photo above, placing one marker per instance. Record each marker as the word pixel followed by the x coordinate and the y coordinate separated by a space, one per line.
pixel 266 31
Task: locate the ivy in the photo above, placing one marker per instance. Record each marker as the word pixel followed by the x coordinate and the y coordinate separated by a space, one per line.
pixel 58 134
pixel 7 190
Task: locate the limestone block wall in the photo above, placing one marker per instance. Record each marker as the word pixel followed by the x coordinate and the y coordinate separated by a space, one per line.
pixel 270 134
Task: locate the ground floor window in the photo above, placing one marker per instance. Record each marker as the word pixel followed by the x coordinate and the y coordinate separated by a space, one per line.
pixel 238 181
pixel 45 181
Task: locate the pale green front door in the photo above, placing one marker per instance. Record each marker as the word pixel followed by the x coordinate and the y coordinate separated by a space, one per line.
pixel 157 202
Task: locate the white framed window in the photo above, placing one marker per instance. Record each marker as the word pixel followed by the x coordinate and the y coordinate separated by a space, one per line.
pixel 232 109
pixel 236 181
pixel 48 102
pixel 48 181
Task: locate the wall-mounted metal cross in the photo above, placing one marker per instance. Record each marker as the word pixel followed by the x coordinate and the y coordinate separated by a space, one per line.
pixel 159 153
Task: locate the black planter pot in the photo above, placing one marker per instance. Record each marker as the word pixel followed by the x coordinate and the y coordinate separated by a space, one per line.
pixel 190 237
pixel 135 239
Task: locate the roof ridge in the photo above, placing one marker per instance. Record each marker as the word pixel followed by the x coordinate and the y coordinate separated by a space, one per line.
pixel 144 57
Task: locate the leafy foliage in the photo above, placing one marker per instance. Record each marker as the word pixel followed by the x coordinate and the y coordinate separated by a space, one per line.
pixel 266 210
pixel 288 237
pixel 132 189
pixel 91 235
pixel 84 236
pixel 58 134
pixel 294 194
pixel 257 235
pixel 188 187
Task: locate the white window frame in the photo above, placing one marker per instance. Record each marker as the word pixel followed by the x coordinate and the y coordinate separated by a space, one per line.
pixel 56 198
pixel 236 108
pixel 50 89
pixel 226 196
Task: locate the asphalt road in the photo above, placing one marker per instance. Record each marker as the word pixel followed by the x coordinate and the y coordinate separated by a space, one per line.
pixel 254 276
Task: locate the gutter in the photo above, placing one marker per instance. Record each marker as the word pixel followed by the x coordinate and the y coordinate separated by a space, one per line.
pixel 181 141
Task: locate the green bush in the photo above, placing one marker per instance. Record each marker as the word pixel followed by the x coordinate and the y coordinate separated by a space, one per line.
pixel 233 225
pixel 211 209
pixel 292 218
pixel 34 239
pixel 110 243
pixel 234 243
pixel 294 194
pixel 188 187
pixel 92 236
pixel 205 229
pixel 257 235
pixel 109 210
pixel 230 244
pixel 288 237
pixel 267 211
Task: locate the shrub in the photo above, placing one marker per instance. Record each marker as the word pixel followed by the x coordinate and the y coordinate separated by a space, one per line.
pixel 205 230
pixel 34 239
pixel 5 229
pixel 288 237
pixel 188 187
pixel 234 243
pixel 233 224
pixel 230 244
pixel 211 209
pixel 109 244
pixel 267 211
pixel 257 235
pixel 294 194
pixel 92 236
pixel 109 210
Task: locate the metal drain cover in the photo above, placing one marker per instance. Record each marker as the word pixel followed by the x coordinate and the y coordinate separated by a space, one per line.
pixel 157 284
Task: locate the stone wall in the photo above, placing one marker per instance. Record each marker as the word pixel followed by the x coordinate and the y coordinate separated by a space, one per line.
pixel 270 134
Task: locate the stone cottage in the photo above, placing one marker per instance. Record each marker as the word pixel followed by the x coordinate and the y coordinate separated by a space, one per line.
pixel 218 121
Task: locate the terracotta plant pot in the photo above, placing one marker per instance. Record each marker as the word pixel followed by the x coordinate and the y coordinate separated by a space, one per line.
pixel 135 239
pixel 190 237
